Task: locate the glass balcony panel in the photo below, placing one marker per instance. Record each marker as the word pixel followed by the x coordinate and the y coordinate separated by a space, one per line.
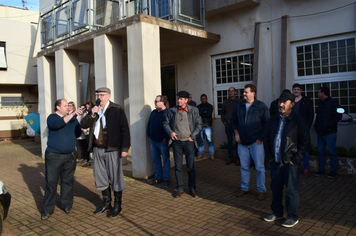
pixel 80 16
pixel 62 22
pixel 47 30
pixel 190 8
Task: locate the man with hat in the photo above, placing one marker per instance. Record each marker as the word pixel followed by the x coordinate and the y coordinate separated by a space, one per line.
pixel 109 137
pixel 183 125
pixel 286 143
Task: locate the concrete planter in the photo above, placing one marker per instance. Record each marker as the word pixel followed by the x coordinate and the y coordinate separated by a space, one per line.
pixel 346 166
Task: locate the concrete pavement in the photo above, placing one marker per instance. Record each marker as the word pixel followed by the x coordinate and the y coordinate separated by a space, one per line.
pixel 327 206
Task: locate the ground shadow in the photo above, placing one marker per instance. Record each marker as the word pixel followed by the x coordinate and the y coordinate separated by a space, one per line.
pixel 34 177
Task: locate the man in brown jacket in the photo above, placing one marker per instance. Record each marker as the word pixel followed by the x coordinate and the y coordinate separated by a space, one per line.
pixel 109 138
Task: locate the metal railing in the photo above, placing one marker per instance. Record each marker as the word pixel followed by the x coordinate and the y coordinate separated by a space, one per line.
pixel 74 17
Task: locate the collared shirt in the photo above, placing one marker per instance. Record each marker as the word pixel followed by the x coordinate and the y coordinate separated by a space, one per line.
pixel 277 141
pixel 180 109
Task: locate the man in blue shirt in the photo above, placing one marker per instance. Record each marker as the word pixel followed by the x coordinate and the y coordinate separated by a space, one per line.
pixel 60 157
pixel 159 142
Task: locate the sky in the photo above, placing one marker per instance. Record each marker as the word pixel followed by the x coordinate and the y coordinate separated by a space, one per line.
pixel 32 5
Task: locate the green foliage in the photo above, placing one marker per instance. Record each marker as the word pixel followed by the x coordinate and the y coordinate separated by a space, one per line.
pixel 352 152
pixel 223 145
pixel 340 150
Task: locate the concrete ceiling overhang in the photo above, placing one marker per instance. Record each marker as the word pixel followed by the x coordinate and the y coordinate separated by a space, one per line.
pixel 173 37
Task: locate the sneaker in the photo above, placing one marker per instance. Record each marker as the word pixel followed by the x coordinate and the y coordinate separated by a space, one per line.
pixel 272 217
pixel 290 223
pixel 331 175
pixel 319 173
pixel 306 172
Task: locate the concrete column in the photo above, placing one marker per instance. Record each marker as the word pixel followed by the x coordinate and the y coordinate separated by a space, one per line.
pixel 109 66
pixel 144 75
pixel 46 94
pixel 67 76
pixel 284 52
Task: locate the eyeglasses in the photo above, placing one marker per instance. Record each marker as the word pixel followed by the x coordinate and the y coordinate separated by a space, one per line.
pixel 157 101
pixel 100 95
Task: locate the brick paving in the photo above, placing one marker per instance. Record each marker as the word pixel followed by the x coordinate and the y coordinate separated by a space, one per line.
pixel 327 206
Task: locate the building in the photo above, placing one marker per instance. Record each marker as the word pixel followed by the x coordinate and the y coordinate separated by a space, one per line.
pixel 143 48
pixel 18 77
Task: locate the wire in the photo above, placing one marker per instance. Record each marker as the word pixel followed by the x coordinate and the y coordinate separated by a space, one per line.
pixel 312 14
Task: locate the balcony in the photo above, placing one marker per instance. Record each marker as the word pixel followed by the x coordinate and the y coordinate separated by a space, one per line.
pixel 75 17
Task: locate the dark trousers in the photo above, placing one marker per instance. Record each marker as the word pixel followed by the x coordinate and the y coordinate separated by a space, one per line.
pixel 230 142
pixel 83 143
pixel 188 148
pixel 59 166
pixel 287 175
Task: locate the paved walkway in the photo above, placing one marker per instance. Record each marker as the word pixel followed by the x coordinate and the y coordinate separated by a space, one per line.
pixel 327 206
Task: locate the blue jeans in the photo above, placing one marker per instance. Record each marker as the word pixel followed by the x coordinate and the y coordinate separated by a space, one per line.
pixel 230 141
pixel 159 149
pixel 330 141
pixel 306 160
pixel 188 148
pixel 288 175
pixel 209 138
pixel 256 151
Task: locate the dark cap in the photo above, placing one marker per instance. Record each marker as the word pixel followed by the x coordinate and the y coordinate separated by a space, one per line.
pixel 286 95
pixel 103 89
pixel 183 94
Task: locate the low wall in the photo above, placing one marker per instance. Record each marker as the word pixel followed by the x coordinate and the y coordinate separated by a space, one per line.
pixel 346 166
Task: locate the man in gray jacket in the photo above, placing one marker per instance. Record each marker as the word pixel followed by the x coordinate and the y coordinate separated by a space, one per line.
pixel 183 125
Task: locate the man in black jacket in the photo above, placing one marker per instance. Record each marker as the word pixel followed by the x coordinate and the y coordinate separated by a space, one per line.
pixel 226 113
pixel 326 128
pixel 249 122
pixel 109 137
pixel 206 113
pixel 286 142
pixel 303 106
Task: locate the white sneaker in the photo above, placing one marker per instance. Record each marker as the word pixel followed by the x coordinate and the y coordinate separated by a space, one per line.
pixel 290 223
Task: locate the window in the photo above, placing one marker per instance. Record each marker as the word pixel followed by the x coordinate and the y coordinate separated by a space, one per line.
pixel 3 62
pixel 329 62
pixel 328 57
pixel 11 101
pixel 232 70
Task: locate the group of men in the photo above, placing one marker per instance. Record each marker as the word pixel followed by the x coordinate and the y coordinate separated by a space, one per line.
pixel 279 135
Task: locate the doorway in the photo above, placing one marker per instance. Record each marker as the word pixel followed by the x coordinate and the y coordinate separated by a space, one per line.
pixel 168 83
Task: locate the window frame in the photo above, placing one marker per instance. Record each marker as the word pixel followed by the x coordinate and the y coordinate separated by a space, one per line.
pixel 324 79
pixel 330 77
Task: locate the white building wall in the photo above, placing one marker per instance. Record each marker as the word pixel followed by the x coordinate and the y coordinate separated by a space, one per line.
pixel 18 31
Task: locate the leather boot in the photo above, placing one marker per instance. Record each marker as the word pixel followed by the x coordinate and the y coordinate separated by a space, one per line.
pixel 117 205
pixel 106 201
